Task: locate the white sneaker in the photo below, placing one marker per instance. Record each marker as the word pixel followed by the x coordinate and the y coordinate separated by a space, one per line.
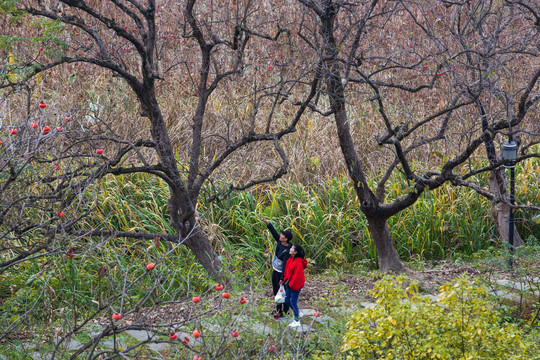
pixel 295 323
pixel 300 314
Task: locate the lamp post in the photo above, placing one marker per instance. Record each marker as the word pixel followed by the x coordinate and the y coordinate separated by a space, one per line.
pixel 509 153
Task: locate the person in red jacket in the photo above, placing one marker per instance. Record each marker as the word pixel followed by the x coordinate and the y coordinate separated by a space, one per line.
pixel 294 280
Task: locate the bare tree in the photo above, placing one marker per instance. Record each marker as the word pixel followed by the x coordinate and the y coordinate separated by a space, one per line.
pixel 425 67
pixel 126 39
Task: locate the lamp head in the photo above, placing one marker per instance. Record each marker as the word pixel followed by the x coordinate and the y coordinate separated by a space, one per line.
pixel 509 154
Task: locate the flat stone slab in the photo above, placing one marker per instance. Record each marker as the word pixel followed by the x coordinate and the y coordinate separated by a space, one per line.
pixel 40 356
pixel 368 305
pixel 158 346
pixel 506 295
pixel 255 326
pixel 303 328
pixel 141 335
pixel 513 284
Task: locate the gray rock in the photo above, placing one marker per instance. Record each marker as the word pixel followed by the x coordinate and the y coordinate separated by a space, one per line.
pixel 72 344
pixel 141 335
pixel 158 346
pixel 513 284
pixel 368 304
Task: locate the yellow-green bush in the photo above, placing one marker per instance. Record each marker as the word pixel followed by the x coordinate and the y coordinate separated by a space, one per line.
pixel 462 324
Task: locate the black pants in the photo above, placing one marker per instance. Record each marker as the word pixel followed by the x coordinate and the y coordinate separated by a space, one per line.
pixel 276 276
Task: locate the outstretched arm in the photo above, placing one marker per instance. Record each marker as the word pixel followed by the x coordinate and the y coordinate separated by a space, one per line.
pixel 273 231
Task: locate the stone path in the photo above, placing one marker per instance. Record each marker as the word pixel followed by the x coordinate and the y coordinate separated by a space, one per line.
pixel 506 289
pixel 158 343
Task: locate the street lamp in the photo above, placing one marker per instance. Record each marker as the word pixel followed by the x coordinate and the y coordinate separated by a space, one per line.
pixel 509 153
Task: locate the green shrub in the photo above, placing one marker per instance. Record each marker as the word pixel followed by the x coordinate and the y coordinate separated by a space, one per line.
pixel 462 324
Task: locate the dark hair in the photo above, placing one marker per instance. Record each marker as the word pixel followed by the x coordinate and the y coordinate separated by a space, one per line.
pixel 299 251
pixel 287 234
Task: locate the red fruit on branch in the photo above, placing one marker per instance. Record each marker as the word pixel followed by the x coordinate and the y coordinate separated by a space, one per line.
pixel 185 340
pixel 196 299
pixel 226 295
pixel 196 334
pixel 59 129
pixel 45 130
pixel 172 336
pixel 150 266
pixel 61 214
pixel 56 167
pixel 116 316
pixel 235 333
pixel 219 287
pixel 272 349
pixel 99 151
pixel 13 131
pixel 34 125
pixel 243 300
pixel 68 118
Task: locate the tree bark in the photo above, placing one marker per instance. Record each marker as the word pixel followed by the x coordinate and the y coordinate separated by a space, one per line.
pixel 498 186
pixel 197 242
pixel 387 254
pixel 500 211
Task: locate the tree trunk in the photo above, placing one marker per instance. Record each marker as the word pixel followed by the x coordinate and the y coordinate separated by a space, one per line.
pixel 501 212
pixel 378 226
pixel 499 187
pixel 181 208
pixel 197 242
pixel 388 257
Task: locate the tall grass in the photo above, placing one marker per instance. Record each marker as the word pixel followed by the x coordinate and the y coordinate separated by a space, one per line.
pixel 443 223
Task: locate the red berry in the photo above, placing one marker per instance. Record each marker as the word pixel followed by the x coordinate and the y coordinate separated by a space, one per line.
pixel 235 333
pixel 150 266
pixel 271 53
pixel 42 105
pixel 219 287
pixel 425 66
pixel 172 336
pixel 196 299
pixel 99 151
pixel 13 131
pixel 185 340
pixel 226 295
pixel 243 300
pixel 68 118
pixel 272 348
pixel 116 316
pixel 196 334
pixel 59 128
pixel 439 74
pixel 61 214
pixel 46 130
pixel 56 167
pixel 269 66
pixel 34 125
